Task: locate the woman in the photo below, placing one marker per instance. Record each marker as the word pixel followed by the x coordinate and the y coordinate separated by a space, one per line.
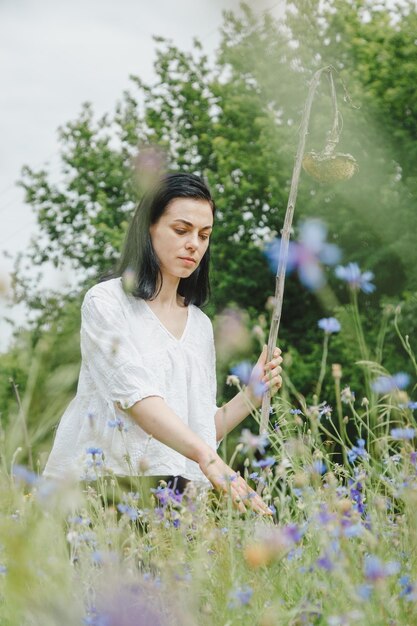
pixel 146 395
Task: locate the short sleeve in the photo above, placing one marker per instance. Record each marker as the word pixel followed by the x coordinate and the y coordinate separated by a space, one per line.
pixel 115 365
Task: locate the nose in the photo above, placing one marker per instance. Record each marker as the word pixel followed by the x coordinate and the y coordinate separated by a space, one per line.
pixel 192 242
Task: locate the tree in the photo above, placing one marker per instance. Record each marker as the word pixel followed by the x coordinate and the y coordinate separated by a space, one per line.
pixel 235 121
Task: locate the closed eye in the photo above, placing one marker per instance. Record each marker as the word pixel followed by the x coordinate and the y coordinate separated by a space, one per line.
pixel 182 232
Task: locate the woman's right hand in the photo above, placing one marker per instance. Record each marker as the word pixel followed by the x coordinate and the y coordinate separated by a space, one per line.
pixel 225 480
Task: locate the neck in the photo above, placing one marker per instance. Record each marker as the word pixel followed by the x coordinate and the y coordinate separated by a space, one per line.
pixel 167 297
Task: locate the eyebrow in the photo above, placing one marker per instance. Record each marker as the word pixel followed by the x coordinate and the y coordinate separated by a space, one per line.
pixel 190 224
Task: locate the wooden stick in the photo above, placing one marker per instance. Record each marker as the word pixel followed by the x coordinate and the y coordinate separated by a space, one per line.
pixel 286 232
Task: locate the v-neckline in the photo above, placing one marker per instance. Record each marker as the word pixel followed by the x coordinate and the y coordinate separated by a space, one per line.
pixel 163 325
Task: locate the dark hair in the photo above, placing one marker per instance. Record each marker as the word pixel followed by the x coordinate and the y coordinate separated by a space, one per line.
pixel 138 254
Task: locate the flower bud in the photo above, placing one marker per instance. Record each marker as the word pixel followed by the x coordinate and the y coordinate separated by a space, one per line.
pixel 336 371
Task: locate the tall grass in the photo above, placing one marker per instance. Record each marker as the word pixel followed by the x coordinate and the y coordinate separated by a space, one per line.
pixel 340 550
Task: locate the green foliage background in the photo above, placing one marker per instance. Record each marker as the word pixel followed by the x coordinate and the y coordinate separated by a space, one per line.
pixel 235 120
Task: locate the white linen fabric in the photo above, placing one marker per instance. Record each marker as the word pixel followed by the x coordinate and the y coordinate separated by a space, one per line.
pixel 127 355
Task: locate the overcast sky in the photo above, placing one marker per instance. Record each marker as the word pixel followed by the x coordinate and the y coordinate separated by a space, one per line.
pixel 56 54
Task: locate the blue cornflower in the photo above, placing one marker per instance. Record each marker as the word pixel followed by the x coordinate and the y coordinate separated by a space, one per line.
pixel 357 451
pixel 329 325
pixel 118 423
pixel 250 375
pixel 364 591
pixel 267 462
pixel 318 467
pixel 94 451
pixel 356 495
pixel 166 495
pixel 386 384
pixel 375 569
pixel 403 433
pixel 325 563
pixel 128 510
pixel 324 516
pixel 352 275
pixel 351 530
pixel 293 533
pixel 24 475
pixel 240 597
pixel 325 410
pixel 243 371
pixel 407 587
pixel 252 442
pixel 295 411
pixel 408 405
pixel 307 255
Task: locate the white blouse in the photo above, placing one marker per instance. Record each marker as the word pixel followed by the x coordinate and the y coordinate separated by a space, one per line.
pixel 127 355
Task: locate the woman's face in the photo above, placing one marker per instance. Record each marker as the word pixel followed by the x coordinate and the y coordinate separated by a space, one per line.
pixel 181 236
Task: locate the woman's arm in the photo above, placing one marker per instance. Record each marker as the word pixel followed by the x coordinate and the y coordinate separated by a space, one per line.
pixel 156 418
pixel 239 407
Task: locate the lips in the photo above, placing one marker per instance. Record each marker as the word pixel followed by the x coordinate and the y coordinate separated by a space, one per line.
pixel 187 258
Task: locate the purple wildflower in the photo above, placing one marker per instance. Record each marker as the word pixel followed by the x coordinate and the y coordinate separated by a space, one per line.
pixel 130 511
pixel 386 384
pixel 329 325
pixel 318 467
pixel 240 597
pixel 351 530
pixel 364 591
pixel 375 569
pixel 128 605
pixel 166 495
pixel 403 433
pixel 25 475
pixel 94 451
pixel 325 562
pixel 252 442
pixel 357 451
pixel 117 423
pixel 307 255
pixel 325 410
pixel 352 275
pixel 408 405
pixel 324 517
pixel 243 371
pixel 250 375
pixel 262 463
pixel 407 588
pixel 356 495
pixel 293 533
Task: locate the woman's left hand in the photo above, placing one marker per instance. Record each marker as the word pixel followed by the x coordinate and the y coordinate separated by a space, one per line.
pixel 266 376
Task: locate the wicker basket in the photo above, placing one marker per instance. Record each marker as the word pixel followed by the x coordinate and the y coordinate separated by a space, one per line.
pixel 330 168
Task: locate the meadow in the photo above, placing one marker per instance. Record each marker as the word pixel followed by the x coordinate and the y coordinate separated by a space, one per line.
pixel 338 465
pixel 338 550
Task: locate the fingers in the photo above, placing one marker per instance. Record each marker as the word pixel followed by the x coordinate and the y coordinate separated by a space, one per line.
pixel 244 496
pixel 275 361
pixel 273 370
pixel 225 480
